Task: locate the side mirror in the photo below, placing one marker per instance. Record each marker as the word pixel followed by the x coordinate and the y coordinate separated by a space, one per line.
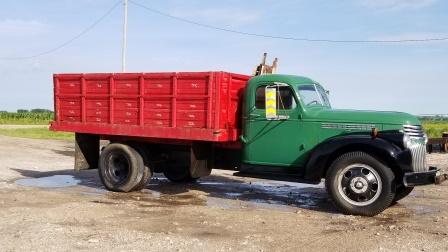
pixel 327 92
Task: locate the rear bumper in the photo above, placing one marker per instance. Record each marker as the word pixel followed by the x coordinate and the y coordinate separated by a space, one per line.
pixel 412 179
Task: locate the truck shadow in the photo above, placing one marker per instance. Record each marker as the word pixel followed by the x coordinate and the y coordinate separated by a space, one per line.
pixel 217 189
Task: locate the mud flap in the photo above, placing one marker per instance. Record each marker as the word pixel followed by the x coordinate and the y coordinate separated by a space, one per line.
pixel 201 159
pixel 87 151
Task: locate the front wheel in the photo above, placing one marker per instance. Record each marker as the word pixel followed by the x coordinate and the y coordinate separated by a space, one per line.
pixel 359 184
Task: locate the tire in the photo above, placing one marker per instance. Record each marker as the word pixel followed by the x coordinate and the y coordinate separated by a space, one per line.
pixel 177 168
pixel 178 174
pixel 401 193
pixel 359 184
pixel 147 175
pixel 121 167
pixel 429 148
pixel 147 172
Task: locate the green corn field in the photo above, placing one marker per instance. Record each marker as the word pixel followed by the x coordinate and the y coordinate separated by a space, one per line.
pixel 26 117
pixel 435 128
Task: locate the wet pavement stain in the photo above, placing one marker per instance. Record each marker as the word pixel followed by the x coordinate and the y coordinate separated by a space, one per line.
pixel 55 181
pixel 216 191
pixel 267 194
pixel 229 194
pixel 151 200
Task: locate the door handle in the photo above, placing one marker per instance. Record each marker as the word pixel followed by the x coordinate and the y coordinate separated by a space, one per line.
pixel 254 115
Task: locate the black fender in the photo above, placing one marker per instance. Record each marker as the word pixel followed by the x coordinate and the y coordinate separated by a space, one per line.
pixel 325 153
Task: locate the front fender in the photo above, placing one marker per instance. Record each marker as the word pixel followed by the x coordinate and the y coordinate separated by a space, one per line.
pixel 325 153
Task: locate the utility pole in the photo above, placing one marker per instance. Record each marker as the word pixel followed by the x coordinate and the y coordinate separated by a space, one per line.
pixel 125 31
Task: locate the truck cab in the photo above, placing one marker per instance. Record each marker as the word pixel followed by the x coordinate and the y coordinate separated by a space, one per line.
pixel 366 157
pixel 284 137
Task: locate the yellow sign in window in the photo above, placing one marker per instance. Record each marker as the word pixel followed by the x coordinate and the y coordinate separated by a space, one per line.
pixel 271 102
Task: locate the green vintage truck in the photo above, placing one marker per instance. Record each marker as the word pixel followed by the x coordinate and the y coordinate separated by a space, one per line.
pixel 369 159
pixel 272 126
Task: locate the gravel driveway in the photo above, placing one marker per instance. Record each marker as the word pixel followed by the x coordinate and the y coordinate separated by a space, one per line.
pixel 46 206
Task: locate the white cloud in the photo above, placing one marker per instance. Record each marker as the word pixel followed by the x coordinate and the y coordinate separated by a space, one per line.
pixel 397 4
pixel 22 28
pixel 229 16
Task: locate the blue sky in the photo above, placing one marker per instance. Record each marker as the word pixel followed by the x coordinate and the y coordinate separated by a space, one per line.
pixel 411 77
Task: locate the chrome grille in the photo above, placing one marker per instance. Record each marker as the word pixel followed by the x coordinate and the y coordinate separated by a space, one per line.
pixel 418 151
pixel 417 146
pixel 414 130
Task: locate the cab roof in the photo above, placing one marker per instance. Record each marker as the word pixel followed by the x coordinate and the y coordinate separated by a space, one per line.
pixel 293 79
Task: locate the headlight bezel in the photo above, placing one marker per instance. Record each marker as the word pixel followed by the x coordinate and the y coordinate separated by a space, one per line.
pixel 406 141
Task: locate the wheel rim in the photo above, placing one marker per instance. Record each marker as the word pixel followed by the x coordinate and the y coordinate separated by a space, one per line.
pixel 359 184
pixel 118 167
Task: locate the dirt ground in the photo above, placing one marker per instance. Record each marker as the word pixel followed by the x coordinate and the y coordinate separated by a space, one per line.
pixel 46 206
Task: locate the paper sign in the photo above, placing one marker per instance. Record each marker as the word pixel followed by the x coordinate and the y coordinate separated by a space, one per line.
pixel 271 102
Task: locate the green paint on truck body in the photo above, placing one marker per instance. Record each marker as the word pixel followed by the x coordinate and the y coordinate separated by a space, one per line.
pixel 288 142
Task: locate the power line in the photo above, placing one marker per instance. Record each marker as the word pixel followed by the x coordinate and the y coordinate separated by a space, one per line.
pixel 282 37
pixel 125 36
pixel 94 24
pixel 83 32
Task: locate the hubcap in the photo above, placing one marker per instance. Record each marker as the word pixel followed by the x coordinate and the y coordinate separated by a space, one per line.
pixel 359 184
pixel 118 168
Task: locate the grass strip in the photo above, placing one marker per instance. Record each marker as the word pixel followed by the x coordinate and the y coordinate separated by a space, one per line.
pixel 23 121
pixel 37 133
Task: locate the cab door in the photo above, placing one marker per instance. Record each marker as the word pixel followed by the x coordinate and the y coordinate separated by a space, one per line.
pixel 276 141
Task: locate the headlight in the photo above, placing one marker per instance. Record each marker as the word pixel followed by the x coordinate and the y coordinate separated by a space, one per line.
pixel 426 138
pixel 406 141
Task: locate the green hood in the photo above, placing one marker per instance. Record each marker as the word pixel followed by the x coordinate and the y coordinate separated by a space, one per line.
pixel 360 116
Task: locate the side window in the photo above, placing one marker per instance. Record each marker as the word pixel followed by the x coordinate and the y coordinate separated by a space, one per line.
pixel 260 98
pixel 285 98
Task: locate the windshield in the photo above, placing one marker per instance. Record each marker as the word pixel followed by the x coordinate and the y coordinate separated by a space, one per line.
pixel 313 94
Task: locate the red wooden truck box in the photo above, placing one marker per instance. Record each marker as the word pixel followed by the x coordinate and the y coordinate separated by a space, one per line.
pixel 202 106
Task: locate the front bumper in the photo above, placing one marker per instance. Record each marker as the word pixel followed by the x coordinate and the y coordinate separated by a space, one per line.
pixel 431 176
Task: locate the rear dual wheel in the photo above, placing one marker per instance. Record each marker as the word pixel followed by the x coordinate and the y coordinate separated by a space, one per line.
pixel 359 184
pixel 176 169
pixel 178 174
pixel 147 171
pixel 122 168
